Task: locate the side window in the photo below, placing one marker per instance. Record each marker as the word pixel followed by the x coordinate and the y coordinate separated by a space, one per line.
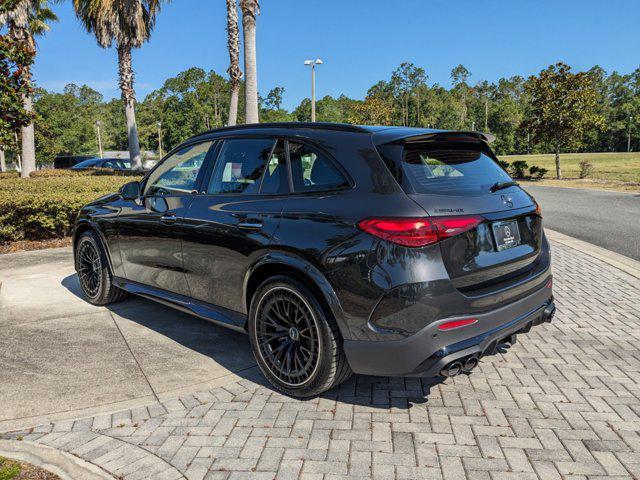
pixel 240 165
pixel 110 164
pixel 312 171
pixel 276 177
pixel 178 173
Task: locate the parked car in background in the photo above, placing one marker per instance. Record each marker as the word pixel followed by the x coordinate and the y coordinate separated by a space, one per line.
pixel 68 161
pixel 112 163
pixel 377 250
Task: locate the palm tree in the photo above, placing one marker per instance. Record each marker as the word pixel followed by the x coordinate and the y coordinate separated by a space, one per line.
pixel 250 9
pixel 235 74
pixel 25 19
pixel 128 24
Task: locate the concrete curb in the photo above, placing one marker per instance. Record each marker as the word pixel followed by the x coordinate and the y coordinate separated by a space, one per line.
pixel 63 464
pixel 626 264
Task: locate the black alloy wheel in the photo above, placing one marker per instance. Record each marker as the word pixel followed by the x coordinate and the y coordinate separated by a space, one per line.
pixel 288 336
pixel 89 269
pixel 295 338
pixel 94 274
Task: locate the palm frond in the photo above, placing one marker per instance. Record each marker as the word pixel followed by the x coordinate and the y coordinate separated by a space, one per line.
pixel 125 22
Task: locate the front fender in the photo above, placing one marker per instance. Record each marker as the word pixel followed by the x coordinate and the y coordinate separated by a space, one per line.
pixel 84 224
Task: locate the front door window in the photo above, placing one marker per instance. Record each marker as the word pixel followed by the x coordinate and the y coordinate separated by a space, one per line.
pixel 178 174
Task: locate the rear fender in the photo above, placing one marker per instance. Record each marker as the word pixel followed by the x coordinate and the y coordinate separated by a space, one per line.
pixel 308 270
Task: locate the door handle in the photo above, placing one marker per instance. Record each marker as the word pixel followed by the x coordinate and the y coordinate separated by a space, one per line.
pixel 168 218
pixel 253 225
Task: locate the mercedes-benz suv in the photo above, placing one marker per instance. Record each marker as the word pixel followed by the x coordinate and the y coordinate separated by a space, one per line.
pixel 337 248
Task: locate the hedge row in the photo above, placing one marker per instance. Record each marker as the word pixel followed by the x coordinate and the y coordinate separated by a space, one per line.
pixel 46 206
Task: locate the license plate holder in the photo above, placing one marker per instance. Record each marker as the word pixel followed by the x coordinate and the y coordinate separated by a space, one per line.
pixel 506 234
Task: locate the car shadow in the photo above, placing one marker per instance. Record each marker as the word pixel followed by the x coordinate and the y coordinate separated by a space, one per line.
pixel 231 350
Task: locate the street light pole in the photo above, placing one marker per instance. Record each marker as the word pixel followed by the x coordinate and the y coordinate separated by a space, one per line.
pixel 99 138
pixel 159 139
pixel 629 135
pixel 313 64
pixel 486 115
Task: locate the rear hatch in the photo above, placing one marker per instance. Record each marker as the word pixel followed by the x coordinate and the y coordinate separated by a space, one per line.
pixel 461 177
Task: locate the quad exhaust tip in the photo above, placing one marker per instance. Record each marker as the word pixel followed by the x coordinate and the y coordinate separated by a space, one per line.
pixel 470 364
pixel 459 366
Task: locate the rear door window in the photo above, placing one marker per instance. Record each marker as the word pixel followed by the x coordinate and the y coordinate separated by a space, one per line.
pixel 313 171
pixel 276 177
pixel 449 170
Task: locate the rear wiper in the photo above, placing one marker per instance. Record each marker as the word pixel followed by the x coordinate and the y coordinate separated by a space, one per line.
pixel 501 185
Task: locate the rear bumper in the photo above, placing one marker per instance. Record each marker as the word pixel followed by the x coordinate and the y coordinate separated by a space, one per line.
pixel 428 351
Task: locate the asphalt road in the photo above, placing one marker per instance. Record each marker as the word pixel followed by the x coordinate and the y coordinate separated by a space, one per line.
pixel 608 219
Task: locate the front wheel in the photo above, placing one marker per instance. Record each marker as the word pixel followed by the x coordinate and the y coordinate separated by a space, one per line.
pixel 93 272
pixel 296 345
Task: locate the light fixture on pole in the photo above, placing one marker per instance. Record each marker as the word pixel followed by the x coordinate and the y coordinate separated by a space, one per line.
pixel 313 64
pixel 99 137
pixel 159 124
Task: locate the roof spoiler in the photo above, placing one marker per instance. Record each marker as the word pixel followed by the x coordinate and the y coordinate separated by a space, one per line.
pixel 441 135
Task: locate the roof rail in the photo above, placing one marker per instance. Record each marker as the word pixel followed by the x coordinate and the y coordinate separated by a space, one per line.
pixel 315 125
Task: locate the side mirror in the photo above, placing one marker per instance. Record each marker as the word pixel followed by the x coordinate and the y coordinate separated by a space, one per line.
pixel 130 191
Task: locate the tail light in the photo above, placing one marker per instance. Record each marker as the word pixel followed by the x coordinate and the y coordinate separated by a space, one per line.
pixel 419 232
pixel 538 211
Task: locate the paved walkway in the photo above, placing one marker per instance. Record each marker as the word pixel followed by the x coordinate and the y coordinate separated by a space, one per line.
pixel 564 402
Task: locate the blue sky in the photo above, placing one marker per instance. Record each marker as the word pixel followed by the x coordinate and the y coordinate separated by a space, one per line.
pixel 360 42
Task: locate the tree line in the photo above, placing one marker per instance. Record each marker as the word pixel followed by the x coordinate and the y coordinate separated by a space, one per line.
pixel 556 110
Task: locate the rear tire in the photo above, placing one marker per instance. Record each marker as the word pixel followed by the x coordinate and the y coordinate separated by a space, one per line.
pixel 94 275
pixel 295 342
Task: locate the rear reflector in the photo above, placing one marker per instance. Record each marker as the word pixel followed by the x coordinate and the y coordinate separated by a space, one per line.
pixel 419 232
pixel 457 324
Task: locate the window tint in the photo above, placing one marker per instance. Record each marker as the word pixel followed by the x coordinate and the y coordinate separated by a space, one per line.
pixel 450 170
pixel 112 164
pixel 312 171
pixel 178 173
pixel 240 165
pixel 276 178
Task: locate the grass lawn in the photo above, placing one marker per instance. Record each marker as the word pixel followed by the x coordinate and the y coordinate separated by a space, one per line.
pixel 15 470
pixel 615 167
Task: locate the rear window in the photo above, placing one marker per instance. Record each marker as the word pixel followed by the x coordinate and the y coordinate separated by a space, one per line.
pixel 449 170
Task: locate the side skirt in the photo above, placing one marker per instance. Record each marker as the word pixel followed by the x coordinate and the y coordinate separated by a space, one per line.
pixel 212 313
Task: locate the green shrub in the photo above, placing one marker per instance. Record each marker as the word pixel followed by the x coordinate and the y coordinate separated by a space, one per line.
pixel 518 168
pixel 537 172
pixel 586 168
pixel 504 164
pixel 4 175
pixel 46 206
pixel 59 172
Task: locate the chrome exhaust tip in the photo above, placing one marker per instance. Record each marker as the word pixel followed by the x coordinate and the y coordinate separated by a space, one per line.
pixel 452 369
pixel 470 364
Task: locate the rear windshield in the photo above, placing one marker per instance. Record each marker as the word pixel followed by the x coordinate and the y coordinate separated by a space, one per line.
pixel 449 170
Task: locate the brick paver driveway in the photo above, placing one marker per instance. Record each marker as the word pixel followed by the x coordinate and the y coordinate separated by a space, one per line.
pixel 564 402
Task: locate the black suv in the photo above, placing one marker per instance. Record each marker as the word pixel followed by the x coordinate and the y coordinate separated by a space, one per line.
pixel 338 248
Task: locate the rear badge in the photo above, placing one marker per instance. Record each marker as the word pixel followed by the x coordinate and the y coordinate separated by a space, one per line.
pixel 507 200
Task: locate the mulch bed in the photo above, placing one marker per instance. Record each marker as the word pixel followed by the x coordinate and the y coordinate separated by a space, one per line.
pixel 27 245
pixel 27 471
